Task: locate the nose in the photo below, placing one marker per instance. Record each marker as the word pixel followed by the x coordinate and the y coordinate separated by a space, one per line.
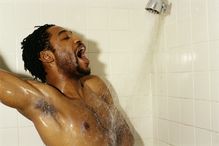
pixel 76 41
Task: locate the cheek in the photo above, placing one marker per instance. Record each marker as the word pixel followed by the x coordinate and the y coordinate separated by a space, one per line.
pixel 66 58
pixel 74 60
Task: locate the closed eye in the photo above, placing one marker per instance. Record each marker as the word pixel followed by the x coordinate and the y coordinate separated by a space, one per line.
pixel 65 35
pixel 65 38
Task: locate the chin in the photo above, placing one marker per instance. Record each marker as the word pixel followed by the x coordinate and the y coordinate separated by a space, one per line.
pixel 88 72
pixel 83 72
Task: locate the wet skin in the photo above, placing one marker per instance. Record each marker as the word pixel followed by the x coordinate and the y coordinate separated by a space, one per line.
pixel 71 108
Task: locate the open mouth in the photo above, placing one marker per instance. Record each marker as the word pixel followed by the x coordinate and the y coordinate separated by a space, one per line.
pixel 81 52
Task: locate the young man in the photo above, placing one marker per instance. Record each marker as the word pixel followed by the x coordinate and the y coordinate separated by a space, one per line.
pixel 69 107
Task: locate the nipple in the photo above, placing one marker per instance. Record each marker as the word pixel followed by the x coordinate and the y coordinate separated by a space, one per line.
pixel 84 126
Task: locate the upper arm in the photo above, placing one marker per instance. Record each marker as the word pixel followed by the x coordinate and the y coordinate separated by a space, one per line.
pixel 98 86
pixel 15 92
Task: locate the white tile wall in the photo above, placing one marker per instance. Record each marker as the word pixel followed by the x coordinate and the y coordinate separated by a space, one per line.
pixel 215 117
pixel 203 114
pixel 187 136
pixel 201 85
pixel 215 139
pixel 21 11
pixel 8 117
pixel 183 13
pixel 184 33
pixel 119 19
pixel 214 84
pixel 163 130
pixel 9 136
pixel 163 108
pixel 214 60
pixel 203 137
pixel 117 33
pixel 171 34
pixel 191 39
pixel 33 140
pixel 199 24
pixel 174 109
pixel 213 20
pixel 187 114
pixel 102 36
pixel 174 133
pixel 201 56
pixel 186 85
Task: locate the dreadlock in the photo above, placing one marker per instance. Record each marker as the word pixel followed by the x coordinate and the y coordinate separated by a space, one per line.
pixel 32 45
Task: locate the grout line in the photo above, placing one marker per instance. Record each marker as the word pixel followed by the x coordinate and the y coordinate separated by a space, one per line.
pixel 209 69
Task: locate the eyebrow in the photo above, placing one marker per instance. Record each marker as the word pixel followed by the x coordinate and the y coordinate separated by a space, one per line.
pixel 63 31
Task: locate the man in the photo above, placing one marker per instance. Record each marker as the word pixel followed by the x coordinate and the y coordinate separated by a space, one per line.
pixel 69 107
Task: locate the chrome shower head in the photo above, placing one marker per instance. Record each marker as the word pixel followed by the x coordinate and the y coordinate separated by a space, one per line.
pixel 158 6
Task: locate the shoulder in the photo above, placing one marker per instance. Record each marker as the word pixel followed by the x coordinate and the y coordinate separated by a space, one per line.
pixel 43 88
pixel 33 82
pixel 92 80
pixel 97 85
pixel 36 84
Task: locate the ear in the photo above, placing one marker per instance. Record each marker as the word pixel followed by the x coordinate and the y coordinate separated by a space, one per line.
pixel 46 56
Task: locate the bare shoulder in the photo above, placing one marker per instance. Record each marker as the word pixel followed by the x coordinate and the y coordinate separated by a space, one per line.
pixel 44 88
pixel 93 81
pixel 37 85
pixel 33 82
pixel 97 85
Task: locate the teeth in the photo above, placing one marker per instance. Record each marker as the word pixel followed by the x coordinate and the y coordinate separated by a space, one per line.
pixel 81 51
pixel 83 48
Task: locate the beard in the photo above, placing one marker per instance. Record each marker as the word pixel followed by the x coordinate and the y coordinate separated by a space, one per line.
pixel 83 72
pixel 71 67
pixel 80 70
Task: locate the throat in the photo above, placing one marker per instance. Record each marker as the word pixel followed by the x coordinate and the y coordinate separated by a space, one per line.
pixel 71 88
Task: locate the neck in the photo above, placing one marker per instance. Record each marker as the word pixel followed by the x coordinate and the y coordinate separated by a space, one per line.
pixel 70 87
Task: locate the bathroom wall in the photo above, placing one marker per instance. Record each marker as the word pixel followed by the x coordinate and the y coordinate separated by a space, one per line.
pixel 117 33
pixel 185 77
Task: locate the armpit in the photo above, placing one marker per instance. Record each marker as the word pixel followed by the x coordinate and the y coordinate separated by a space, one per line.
pixel 45 107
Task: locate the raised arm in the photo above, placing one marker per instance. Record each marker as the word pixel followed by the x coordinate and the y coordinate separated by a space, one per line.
pixel 15 92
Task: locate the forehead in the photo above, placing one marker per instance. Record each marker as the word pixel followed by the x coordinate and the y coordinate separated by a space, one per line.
pixel 54 30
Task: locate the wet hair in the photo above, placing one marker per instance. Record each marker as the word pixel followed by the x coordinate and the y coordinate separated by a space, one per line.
pixel 31 46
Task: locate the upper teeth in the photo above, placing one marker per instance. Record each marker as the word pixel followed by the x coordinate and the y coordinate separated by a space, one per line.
pixel 82 48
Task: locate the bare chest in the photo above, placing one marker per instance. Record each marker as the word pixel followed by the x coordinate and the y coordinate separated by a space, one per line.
pixel 93 111
pixel 78 119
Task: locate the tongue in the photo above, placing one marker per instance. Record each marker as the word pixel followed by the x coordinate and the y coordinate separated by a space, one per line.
pixel 84 57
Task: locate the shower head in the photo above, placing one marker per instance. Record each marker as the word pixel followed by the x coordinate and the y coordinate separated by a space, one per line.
pixel 158 6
